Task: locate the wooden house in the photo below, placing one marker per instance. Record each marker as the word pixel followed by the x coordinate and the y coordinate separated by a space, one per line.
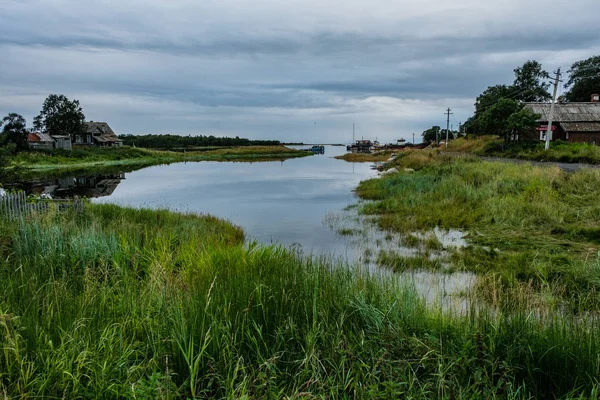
pixel 98 134
pixel 574 122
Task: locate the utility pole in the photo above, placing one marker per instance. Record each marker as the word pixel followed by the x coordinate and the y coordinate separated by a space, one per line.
pixel 437 136
pixel 459 126
pixel 448 124
pixel 413 138
pixel 551 116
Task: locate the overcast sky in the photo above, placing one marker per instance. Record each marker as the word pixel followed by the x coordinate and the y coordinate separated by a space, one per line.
pixel 293 70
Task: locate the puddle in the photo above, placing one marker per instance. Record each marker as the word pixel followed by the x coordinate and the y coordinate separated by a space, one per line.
pixel 362 235
pixel 448 291
pixel 452 238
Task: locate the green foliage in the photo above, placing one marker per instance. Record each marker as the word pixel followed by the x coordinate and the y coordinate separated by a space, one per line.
pixel 521 123
pixel 530 83
pixel 14 131
pixel 60 116
pixel 529 86
pixel 559 151
pixel 584 79
pixel 181 142
pixel 122 303
pixel 491 96
pixel 431 135
pixel 494 120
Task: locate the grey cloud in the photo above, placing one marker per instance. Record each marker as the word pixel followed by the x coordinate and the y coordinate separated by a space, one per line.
pixel 227 67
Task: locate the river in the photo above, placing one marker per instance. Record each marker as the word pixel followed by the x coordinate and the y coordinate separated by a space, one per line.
pixel 298 203
pixel 283 202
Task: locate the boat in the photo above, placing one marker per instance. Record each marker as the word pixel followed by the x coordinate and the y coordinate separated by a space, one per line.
pixel 362 145
pixel 318 149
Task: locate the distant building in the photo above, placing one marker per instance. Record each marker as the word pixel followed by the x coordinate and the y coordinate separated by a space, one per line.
pixel 97 134
pixel 40 141
pixel 574 122
pixel 62 142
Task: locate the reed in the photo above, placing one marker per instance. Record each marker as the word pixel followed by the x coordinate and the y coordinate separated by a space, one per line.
pixel 36 162
pixel 120 303
pixel 530 225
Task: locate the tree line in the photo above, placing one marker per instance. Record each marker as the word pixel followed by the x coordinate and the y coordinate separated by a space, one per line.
pixel 169 141
pixel 500 109
pixel 61 116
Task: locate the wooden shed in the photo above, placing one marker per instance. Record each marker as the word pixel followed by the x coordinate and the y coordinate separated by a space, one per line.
pixel 40 141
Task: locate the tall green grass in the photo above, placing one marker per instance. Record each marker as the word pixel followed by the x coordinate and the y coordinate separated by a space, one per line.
pixel 36 162
pixel 532 226
pixel 122 303
pixel 560 151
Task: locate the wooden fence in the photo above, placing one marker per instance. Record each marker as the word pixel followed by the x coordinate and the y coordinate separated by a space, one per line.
pixel 16 205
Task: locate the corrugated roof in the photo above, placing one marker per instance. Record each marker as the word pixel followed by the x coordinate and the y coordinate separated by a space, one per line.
pixel 569 112
pixel 39 137
pixel 580 126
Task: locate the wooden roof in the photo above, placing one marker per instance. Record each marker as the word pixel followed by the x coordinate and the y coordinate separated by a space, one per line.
pixel 580 126
pixel 568 112
pixel 101 132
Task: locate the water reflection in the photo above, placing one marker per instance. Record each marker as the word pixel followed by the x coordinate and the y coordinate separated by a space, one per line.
pixel 90 186
pixel 297 203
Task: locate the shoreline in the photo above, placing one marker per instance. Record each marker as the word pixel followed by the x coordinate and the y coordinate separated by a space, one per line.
pixel 36 163
pixel 180 300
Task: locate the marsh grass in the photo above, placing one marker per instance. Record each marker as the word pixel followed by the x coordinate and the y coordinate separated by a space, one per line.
pixel 366 157
pixel 560 151
pixel 123 303
pixel 128 157
pixel 530 225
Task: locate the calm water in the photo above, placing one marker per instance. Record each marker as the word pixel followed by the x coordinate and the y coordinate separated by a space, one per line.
pixel 275 202
pixel 297 202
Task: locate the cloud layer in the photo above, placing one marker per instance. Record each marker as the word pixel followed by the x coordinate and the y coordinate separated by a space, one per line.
pixel 293 70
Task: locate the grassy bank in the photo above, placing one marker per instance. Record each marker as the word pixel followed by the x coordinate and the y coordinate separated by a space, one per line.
pixel 534 230
pixel 533 151
pixel 87 158
pixel 119 303
pixel 366 157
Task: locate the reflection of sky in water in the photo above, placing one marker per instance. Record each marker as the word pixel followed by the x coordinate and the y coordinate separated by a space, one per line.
pixel 296 203
pixel 275 202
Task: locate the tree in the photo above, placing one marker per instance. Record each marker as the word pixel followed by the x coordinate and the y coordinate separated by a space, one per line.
pixel 494 121
pixel 15 131
pixel 521 123
pixel 60 116
pixel 584 79
pixel 530 83
pixel 490 96
pixel 430 135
